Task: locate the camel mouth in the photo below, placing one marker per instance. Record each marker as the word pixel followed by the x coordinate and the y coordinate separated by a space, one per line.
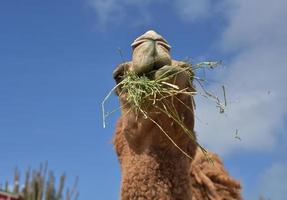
pixel 154 69
pixel 150 52
pixel 122 70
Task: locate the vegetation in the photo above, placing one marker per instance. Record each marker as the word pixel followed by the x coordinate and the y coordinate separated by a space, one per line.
pixel 40 184
pixel 144 93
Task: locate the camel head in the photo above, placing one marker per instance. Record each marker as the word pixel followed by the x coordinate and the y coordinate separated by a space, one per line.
pixel 151 58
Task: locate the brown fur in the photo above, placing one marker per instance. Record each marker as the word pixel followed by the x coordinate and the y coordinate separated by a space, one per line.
pixel 152 167
pixel 212 181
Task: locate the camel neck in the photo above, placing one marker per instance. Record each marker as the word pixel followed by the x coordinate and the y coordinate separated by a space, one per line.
pixel 156 175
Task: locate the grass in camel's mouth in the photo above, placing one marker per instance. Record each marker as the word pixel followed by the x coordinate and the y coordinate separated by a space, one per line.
pixel 144 93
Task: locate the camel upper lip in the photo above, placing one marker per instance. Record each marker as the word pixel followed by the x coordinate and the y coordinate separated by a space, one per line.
pixel 150 35
pixel 159 40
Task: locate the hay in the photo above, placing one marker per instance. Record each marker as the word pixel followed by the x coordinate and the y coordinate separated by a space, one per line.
pixel 144 93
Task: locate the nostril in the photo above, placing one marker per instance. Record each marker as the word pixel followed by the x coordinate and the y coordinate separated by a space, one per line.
pixel 118 79
pixel 118 73
pixel 164 45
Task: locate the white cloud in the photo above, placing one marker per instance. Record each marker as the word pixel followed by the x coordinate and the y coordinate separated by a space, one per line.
pixel 272 184
pixel 114 11
pixel 256 80
pixel 191 10
pixel 256 21
pixel 258 105
pixel 107 10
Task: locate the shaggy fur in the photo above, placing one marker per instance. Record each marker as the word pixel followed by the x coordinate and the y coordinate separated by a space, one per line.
pixel 212 181
pixel 152 167
pixel 156 173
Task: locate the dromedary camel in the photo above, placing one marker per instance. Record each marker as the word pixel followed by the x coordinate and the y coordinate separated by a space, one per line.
pixel 151 165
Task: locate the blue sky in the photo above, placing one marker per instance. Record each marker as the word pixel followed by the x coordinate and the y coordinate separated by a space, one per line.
pixel 56 61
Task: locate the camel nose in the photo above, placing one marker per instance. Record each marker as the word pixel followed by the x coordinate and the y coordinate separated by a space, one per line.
pixel 152 34
pixel 150 52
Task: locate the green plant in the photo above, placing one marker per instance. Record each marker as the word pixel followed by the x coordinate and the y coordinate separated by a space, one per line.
pixel 143 93
pixel 40 184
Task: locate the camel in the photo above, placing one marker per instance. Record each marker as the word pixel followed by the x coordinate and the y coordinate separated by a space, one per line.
pixel 151 165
